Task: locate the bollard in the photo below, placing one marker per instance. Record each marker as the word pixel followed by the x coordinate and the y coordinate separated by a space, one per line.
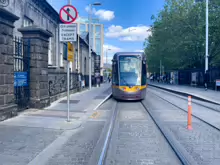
pixel 189 122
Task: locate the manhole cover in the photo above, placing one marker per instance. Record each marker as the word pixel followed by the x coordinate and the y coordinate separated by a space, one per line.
pixel 71 101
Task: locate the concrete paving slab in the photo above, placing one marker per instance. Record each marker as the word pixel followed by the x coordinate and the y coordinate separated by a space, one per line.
pixel 79 147
pixel 19 145
pixel 42 122
pixel 53 137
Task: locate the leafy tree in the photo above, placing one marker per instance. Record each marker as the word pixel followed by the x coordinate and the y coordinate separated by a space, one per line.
pixel 178 36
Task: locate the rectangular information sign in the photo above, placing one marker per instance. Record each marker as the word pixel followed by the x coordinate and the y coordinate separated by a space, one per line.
pixel 217 82
pixel 20 79
pixel 68 32
pixel 70 52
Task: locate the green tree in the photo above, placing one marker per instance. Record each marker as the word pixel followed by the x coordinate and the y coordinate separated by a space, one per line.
pixel 178 36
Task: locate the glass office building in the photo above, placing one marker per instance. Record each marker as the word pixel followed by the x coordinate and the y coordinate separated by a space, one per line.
pixel 97 35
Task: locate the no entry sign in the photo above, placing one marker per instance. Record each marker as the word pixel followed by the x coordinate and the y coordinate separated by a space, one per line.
pixel 68 14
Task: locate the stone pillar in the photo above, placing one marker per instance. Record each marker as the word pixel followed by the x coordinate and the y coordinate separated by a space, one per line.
pixel 39 42
pixel 8 108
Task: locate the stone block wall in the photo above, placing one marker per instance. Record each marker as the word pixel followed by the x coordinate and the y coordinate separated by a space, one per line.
pixel 8 108
pixel 39 93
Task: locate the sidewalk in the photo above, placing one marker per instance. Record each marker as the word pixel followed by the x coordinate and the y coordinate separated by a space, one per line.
pixel 198 93
pixel 26 138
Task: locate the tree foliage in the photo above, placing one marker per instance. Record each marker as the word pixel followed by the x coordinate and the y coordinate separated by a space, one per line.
pixel 178 36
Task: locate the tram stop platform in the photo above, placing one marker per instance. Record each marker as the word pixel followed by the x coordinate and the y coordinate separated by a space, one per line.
pixel 82 104
pixel 35 135
pixel 197 93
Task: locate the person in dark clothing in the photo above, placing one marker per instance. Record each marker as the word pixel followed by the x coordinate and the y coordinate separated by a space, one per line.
pixel 206 79
pixel 109 79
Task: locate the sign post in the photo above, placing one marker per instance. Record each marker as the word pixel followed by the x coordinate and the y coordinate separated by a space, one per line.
pixel 68 33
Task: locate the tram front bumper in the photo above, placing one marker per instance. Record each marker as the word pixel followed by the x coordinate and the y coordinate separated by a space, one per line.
pixel 123 95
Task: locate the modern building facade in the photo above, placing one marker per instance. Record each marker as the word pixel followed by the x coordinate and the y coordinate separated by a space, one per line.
pixel 97 35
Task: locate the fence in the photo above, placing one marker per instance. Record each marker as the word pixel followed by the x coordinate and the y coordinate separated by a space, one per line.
pixel 21 72
pixel 58 84
pixel 195 77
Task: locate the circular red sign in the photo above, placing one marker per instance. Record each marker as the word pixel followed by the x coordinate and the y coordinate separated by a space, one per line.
pixel 70 7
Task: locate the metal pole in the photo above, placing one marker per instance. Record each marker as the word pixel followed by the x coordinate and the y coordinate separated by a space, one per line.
pixel 68 85
pixel 207 36
pixel 90 61
pixel 160 67
pixel 106 64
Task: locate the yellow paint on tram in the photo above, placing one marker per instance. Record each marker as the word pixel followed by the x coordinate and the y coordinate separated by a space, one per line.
pixel 132 89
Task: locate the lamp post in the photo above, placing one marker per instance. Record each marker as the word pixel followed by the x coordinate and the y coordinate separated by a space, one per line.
pixel 90 60
pixel 107 62
pixel 107 56
pixel 207 36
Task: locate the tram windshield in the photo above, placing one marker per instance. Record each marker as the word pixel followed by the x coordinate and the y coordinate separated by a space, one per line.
pixel 130 70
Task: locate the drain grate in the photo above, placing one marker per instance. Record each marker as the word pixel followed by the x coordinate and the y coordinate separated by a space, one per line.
pixel 71 101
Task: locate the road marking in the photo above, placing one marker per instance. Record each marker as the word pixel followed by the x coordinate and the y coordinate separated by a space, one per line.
pixel 95 115
pixel 102 102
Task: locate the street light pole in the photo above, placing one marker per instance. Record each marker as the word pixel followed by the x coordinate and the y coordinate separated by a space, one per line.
pixel 90 58
pixel 207 36
pixel 160 68
pixel 106 56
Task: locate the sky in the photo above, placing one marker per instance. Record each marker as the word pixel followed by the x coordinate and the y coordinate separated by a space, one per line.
pixel 126 22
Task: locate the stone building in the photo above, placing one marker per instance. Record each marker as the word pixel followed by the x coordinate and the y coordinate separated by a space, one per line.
pixel 30 48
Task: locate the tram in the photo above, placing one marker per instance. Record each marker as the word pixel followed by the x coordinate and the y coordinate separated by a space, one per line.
pixel 129 76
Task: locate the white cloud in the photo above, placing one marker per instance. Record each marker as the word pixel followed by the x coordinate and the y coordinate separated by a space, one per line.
pixel 139 50
pixel 138 33
pixel 111 50
pixel 106 15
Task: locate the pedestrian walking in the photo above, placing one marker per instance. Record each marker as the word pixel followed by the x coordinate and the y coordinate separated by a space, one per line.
pixel 98 79
pixel 109 79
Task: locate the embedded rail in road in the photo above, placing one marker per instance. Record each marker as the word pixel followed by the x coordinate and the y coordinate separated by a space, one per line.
pixel 200 117
pixel 135 138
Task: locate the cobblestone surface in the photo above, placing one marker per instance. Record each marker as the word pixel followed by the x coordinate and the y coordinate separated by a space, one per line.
pixel 136 140
pixel 202 143
pixel 78 149
pixel 19 145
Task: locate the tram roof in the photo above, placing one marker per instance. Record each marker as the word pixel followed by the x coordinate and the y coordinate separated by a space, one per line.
pixel 128 53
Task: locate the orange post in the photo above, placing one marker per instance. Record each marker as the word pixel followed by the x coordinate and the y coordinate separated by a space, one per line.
pixel 189 122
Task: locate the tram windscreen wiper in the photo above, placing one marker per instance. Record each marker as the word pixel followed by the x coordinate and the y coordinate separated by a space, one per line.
pixel 125 81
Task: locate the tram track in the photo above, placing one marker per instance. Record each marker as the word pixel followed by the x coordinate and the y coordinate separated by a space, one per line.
pixel 119 145
pixel 197 102
pixel 184 110
pixel 124 138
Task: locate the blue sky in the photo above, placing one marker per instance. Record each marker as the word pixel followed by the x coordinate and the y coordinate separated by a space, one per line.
pixel 126 21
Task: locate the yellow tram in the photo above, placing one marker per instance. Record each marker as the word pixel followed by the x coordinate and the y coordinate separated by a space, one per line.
pixel 129 76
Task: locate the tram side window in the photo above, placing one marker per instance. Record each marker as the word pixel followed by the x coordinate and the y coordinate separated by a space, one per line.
pixel 144 73
pixel 115 74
